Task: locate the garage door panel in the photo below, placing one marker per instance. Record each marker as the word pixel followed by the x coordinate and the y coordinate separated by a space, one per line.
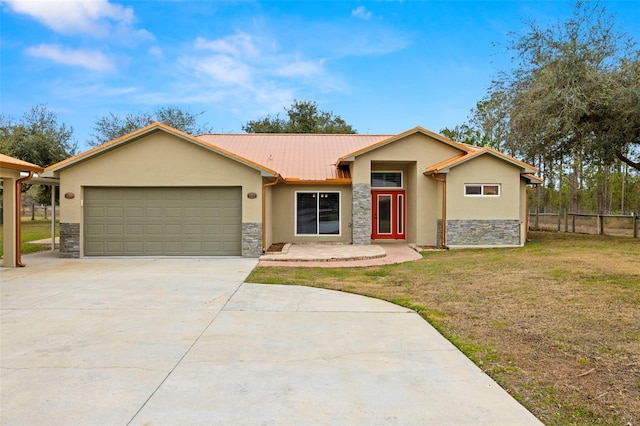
pixel 154 247
pixel 173 230
pixel 114 229
pixel 132 212
pixel 94 212
pixel 114 247
pixel 192 212
pixel 174 212
pixel 153 230
pixel 95 230
pixel 95 246
pixel 114 212
pixel 113 196
pixel 153 212
pixel 134 230
pixel 163 221
pixel 195 229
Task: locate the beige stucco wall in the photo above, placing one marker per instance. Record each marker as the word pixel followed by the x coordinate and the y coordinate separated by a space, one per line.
pixel 10 218
pixel 282 213
pixel 413 154
pixel 489 170
pixel 159 159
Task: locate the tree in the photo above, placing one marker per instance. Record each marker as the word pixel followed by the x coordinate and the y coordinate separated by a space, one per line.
pixel 37 138
pixel 615 120
pixel 302 117
pixel 491 117
pixel 466 134
pixel 574 90
pixel 113 126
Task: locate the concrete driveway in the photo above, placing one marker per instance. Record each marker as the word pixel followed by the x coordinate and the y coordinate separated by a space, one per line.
pixel 184 341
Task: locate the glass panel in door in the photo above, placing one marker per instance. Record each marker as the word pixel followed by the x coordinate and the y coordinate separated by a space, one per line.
pixel 384 214
pixel 400 214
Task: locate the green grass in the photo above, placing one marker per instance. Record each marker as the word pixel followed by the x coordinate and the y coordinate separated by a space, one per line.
pixel 556 323
pixel 31 231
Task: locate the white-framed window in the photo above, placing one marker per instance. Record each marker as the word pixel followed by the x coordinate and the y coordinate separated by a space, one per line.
pixel 386 179
pixel 482 190
pixel 317 213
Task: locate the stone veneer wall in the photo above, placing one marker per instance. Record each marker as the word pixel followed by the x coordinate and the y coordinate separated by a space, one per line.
pixel 251 239
pixel 499 232
pixel 361 214
pixel 70 240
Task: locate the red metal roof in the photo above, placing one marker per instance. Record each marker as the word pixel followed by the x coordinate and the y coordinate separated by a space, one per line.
pixel 308 157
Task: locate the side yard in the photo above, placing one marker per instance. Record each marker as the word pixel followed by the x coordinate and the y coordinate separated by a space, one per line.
pixel 32 230
pixel 556 323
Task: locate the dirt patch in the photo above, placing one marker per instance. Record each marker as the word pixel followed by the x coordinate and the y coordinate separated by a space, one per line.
pixel 276 248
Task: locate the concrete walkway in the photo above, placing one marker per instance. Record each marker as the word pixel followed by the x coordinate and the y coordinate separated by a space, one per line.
pixel 184 341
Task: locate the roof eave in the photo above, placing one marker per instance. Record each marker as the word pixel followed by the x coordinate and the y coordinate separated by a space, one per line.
pixel 22 168
pixel 532 179
pixel 330 181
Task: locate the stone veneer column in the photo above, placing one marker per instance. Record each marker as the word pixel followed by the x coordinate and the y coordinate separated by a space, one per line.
pixel 70 240
pixel 361 214
pixel 251 239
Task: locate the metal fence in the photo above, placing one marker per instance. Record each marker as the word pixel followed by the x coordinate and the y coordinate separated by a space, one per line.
pixel 599 224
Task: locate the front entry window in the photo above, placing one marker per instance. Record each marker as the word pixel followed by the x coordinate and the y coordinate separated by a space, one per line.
pixel 317 213
pixel 386 179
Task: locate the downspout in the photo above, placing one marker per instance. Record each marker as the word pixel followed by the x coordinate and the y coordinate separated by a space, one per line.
pixel 264 213
pixel 526 213
pixel 443 238
pixel 19 217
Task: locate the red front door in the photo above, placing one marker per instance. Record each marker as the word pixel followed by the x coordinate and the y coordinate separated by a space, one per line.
pixel 389 215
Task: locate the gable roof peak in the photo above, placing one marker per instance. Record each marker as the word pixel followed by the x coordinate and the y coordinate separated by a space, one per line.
pixel 151 128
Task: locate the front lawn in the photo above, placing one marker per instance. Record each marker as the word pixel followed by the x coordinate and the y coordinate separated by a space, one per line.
pixel 556 323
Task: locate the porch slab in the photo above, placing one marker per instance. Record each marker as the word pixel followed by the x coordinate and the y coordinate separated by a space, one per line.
pixel 340 255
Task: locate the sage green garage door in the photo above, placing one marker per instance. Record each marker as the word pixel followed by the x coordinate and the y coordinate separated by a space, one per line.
pixel 162 221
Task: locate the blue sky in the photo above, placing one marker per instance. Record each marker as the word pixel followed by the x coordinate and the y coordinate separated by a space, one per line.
pixel 383 66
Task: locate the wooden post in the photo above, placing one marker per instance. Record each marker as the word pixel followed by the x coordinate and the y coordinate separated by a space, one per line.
pixel 573 223
pixel 636 219
pixel 600 225
pixel 566 220
pixel 559 218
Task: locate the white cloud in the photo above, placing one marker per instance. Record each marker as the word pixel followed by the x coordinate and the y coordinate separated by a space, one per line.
pixel 156 51
pixel 299 69
pixel 222 69
pixel 245 65
pixel 234 45
pixel 96 18
pixel 361 12
pixel 88 59
pixel 251 72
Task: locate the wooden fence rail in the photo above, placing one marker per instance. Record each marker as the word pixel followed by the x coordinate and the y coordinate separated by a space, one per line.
pixel 601 224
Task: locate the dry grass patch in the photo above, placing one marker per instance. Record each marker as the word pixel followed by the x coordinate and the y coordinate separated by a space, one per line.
pixel 556 323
